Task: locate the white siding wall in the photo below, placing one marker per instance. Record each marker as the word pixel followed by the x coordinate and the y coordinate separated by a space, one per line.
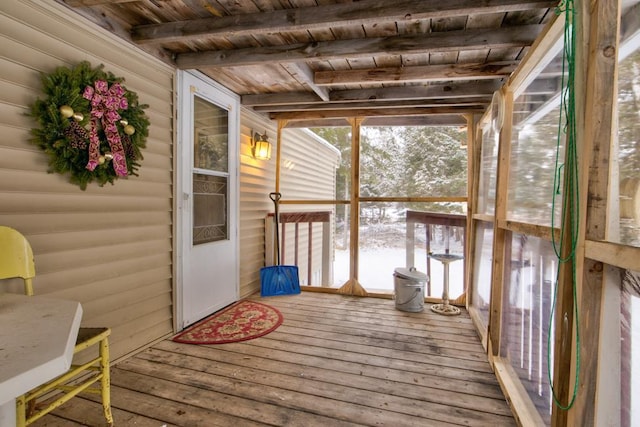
pixel 308 167
pixel 108 247
pixel 111 247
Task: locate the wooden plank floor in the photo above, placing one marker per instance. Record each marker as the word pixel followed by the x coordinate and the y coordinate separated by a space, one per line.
pixel 335 361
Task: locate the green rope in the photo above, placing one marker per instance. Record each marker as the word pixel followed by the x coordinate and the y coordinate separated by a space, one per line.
pixel 570 196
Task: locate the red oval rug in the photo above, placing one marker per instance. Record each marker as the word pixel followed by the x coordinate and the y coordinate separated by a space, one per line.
pixel 241 321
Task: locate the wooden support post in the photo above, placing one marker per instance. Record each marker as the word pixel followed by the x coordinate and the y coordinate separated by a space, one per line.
pixel 296 244
pixel 473 179
pixel 500 234
pixel 327 251
pixel 597 91
pixel 281 125
pixel 283 241
pixel 410 244
pixel 427 239
pixel 309 254
pixel 353 287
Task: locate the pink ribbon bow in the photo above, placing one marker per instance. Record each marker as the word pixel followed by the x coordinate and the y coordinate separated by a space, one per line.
pixel 105 103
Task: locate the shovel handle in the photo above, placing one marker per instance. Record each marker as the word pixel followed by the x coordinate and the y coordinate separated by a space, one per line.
pixel 275 197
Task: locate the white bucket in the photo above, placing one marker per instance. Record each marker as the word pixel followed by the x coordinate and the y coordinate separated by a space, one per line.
pixel 409 289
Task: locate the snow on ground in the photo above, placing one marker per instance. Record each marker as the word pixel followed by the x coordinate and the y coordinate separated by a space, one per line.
pixel 378 265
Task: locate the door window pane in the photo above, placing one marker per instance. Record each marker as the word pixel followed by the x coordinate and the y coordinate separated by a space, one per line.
pixel 211 145
pixel 210 182
pixel 210 221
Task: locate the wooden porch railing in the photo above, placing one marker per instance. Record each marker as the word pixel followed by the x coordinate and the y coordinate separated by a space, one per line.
pixel 305 264
pixel 430 220
pixel 297 228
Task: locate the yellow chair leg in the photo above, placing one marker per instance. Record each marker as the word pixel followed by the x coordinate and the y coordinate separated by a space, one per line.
pixel 21 411
pixel 105 382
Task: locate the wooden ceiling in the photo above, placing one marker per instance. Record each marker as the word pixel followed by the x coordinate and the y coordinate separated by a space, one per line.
pixel 317 61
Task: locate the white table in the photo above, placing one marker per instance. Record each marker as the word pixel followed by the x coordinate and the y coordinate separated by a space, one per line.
pixel 37 337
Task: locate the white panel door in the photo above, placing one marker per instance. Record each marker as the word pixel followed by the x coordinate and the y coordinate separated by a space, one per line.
pixel 208 198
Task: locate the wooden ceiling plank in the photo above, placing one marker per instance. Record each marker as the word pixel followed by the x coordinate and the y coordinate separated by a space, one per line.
pixel 434 42
pixel 426 73
pixel 335 15
pixel 372 112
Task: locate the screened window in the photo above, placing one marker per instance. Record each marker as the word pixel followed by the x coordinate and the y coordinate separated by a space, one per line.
pixel 482 269
pixel 530 274
pixel 488 171
pixel 629 147
pixel 535 162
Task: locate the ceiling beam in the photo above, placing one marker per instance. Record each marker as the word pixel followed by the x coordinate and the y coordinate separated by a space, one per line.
pixel 87 3
pixel 319 123
pixel 373 112
pixel 455 102
pixel 320 17
pixel 437 120
pixel 304 75
pixel 427 73
pixel 446 41
pixel 431 91
pixel 281 98
pixel 373 95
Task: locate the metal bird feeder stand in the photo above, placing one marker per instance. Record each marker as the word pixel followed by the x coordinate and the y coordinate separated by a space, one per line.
pixel 445 308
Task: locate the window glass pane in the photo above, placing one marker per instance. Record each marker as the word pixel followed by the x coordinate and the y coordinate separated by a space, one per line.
pixel 412 162
pixel 534 138
pixel 211 146
pixel 630 349
pixel 210 182
pixel 629 148
pixel 482 269
pixel 488 171
pixel 529 281
pixel 210 222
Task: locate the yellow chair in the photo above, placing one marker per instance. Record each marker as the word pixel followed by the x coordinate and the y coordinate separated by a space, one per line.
pixel 16 261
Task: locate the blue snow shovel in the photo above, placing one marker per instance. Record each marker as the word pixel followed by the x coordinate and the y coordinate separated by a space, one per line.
pixel 278 279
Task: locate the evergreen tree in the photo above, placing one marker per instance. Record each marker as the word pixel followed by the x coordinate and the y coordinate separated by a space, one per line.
pixel 403 162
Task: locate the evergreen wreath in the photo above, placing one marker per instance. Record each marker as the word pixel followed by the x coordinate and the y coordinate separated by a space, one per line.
pixel 90 125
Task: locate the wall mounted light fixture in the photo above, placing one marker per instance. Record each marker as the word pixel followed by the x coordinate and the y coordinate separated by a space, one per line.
pixel 260 146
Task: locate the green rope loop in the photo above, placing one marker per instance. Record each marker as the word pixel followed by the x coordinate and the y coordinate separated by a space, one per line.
pixel 570 191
